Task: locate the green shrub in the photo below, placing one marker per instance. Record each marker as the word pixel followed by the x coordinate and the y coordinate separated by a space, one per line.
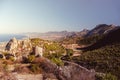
pixel 12 58
pixel 31 58
pixel 107 76
pixel 57 61
pixel 35 68
pixel 69 52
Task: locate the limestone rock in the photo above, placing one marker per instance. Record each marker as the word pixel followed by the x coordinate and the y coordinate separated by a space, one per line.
pixel 73 71
pixel 15 45
pixel 19 48
pixel 12 45
pixel 70 71
pixel 38 51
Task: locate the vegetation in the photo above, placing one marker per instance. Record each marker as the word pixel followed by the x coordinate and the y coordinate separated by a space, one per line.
pixel 35 68
pixel 68 56
pixel 70 40
pixel 69 52
pixel 89 40
pixel 31 58
pixel 57 61
pixel 49 47
pixel 52 50
pixel 108 76
pixel 37 41
pixel 105 59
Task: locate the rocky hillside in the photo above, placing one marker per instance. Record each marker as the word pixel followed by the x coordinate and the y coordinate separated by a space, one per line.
pixel 111 37
pixel 101 29
pixel 96 34
pixel 103 56
pixel 70 71
pixel 27 57
pixel 44 69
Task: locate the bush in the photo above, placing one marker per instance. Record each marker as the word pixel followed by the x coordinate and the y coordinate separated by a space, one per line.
pixel 12 58
pixel 31 58
pixel 35 68
pixel 107 76
pixel 57 61
pixel 69 52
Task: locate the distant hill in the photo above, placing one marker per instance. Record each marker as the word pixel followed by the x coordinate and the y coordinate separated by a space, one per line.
pixel 53 36
pixel 74 37
pixel 56 35
pixel 101 29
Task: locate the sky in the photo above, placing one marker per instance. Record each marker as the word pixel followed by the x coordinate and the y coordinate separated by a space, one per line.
pixel 19 16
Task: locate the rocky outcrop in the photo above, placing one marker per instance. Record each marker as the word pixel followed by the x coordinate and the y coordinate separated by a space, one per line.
pixel 50 71
pixel 16 46
pixel 70 71
pixel 101 29
pixel 12 45
pixel 38 51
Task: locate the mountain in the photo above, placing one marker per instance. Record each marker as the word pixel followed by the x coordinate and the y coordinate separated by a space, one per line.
pixel 111 37
pixel 81 33
pixel 103 55
pixel 101 29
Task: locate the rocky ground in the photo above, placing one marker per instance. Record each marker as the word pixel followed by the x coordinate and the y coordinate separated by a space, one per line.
pixel 17 65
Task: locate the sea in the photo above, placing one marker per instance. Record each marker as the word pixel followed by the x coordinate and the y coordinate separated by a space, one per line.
pixel 7 37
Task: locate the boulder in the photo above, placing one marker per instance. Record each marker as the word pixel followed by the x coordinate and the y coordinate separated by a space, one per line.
pixel 38 51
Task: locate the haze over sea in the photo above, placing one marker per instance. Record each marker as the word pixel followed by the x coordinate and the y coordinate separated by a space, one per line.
pixel 7 37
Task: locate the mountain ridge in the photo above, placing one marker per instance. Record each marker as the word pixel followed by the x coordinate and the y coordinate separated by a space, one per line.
pixel 101 29
pixel 111 37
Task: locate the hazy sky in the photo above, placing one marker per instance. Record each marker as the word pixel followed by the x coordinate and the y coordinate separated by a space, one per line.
pixel 56 15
